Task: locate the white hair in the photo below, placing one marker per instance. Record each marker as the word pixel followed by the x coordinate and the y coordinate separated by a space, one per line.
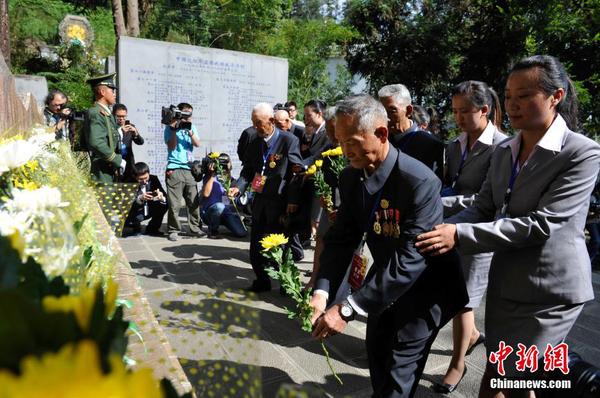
pixel 262 108
pixel 398 92
pixel 329 113
pixel 369 112
pixel 282 112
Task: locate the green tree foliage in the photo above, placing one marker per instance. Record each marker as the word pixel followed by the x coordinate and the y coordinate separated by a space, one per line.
pixel 35 23
pixel 274 28
pixel 307 44
pixel 431 45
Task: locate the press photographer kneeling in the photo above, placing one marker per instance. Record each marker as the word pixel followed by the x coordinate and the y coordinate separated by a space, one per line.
pixel 150 202
pixel 216 205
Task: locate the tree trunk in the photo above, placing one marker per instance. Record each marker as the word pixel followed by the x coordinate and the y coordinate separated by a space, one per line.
pixel 4 31
pixel 120 29
pixel 133 19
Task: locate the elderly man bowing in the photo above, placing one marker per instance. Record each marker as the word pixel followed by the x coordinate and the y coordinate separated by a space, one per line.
pixel 268 163
pixel 387 198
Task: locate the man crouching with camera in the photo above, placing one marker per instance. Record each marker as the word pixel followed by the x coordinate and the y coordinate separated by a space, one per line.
pixel 216 207
pixel 150 202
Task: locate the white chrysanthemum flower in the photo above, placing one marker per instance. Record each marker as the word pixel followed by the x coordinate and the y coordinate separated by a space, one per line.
pixel 34 202
pixel 41 137
pixel 9 223
pixel 16 153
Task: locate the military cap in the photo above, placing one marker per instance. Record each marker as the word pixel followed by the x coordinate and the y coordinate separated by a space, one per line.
pixel 104 80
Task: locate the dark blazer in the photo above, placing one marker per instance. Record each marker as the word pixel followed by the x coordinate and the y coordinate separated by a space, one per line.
pixel 422 146
pixel 297 131
pixel 315 145
pixel 153 185
pixel 399 276
pixel 247 135
pixel 128 140
pixel 277 191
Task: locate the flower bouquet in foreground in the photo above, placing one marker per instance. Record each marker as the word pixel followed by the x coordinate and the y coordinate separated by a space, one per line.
pixel 289 279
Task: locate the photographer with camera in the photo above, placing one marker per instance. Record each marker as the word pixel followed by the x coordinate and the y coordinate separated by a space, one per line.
pixel 181 137
pixel 150 202
pixel 216 207
pixel 57 114
pixel 128 133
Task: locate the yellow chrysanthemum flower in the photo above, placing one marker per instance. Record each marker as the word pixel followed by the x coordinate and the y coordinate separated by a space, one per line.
pixel 272 241
pixel 337 151
pixel 311 170
pixel 18 243
pixel 214 155
pixel 76 32
pixel 75 372
pixel 83 304
pixel 319 163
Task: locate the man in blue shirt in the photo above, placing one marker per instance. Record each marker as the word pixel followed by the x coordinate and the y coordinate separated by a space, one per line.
pixel 181 137
pixel 216 209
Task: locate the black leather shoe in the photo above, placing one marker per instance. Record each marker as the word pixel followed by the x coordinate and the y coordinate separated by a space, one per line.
pixel 444 388
pixel 259 287
pixel 480 340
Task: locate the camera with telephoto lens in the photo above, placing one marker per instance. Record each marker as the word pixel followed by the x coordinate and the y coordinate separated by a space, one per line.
pixel 202 168
pixel 74 115
pixel 172 113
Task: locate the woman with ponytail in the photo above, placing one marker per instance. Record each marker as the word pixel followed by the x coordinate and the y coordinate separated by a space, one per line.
pixel 531 213
pixel 477 113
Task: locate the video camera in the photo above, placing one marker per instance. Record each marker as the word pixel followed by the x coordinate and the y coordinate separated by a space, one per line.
pixel 74 115
pixel 172 113
pixel 202 168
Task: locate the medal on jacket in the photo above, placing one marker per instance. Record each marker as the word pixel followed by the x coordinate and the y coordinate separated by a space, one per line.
pixel 387 225
pixel 384 203
pixel 272 164
pixel 376 225
pixel 397 224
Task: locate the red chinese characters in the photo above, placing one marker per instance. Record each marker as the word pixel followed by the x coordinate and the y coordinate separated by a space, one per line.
pixel 555 358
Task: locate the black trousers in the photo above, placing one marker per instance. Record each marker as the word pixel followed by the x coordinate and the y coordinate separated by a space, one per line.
pixel 156 213
pixel 265 221
pixel 398 344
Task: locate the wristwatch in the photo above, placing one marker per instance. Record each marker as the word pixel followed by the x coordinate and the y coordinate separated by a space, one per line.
pixel 346 311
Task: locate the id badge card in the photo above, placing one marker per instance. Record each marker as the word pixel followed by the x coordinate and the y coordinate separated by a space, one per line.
pixel 358 269
pixel 258 183
pixel 190 156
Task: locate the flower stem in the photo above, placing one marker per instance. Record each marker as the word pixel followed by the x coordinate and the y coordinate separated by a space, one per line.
pixel 329 362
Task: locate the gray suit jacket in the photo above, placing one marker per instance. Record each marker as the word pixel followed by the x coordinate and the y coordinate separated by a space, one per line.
pixel 539 248
pixel 473 172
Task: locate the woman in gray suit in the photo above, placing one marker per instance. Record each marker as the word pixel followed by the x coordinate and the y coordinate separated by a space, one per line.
pixel 477 113
pixel 531 213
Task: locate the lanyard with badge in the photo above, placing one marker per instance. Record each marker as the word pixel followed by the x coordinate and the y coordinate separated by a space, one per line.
pixel 513 177
pixel 259 180
pixel 360 262
pixel 451 190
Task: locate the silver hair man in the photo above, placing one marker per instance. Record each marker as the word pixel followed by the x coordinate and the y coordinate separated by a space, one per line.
pixel 398 92
pixel 263 108
pixel 368 112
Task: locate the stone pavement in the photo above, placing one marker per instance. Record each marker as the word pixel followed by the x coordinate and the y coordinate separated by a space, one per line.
pixel 234 344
